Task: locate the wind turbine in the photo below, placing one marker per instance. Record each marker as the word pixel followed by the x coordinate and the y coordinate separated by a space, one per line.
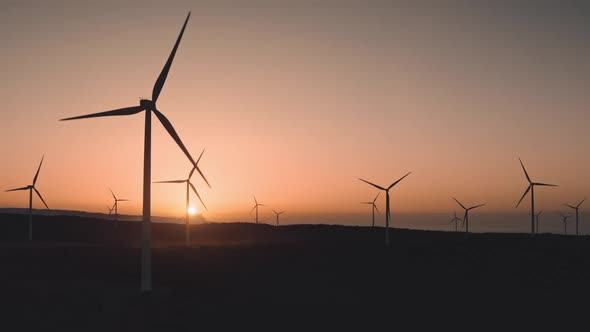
pixel 189 186
pixel 455 220
pixel 32 188
pixel 256 205
pixel 387 211
pixel 531 188
pixel 116 206
pixel 278 214
pixel 577 207
pixel 110 209
pixel 149 106
pixel 564 220
pixel 466 215
pixel 373 208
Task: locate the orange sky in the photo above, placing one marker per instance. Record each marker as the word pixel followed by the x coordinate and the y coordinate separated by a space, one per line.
pixel 295 100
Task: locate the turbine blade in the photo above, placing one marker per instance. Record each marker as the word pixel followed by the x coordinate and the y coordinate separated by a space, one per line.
pixel 374 185
pixel 525 173
pixel 162 78
pixel 38 169
pixel 254 208
pixel 178 141
pixel 171 181
pixel 121 111
pixel 396 182
pixel 255 201
pixel 366 202
pixel 194 167
pixel 475 207
pixel 538 214
pixel 41 197
pixel 112 193
pixel 459 203
pixel 376 198
pixel 526 192
pixel 545 184
pixel 581 202
pixel 376 209
pixel 573 207
pixel 21 188
pixel 123 200
pixel 199 196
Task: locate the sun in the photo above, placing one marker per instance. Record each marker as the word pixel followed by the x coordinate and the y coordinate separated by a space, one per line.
pixel 192 210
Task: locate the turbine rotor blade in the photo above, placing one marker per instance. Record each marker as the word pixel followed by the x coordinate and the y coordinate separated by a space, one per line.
pixel 573 207
pixel 16 189
pixel 374 185
pixel 112 193
pixel 162 78
pixel 38 169
pixel 475 207
pixel 254 208
pixel 459 203
pixel 194 167
pixel 376 198
pixel 396 182
pixel 581 202
pixel 526 192
pixel 376 209
pixel 168 126
pixel 171 181
pixel 121 111
pixel 199 196
pixel 41 197
pixel 544 184
pixel 525 172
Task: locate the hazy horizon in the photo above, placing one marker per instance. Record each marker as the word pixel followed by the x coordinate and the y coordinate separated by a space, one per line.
pixel 295 100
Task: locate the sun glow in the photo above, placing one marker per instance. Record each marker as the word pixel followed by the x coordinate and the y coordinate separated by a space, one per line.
pixel 192 210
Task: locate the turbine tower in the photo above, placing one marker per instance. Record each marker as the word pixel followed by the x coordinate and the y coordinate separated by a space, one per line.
pixel 564 219
pixel 373 208
pixel 456 221
pixel 577 207
pixel 278 214
pixel 32 188
pixel 116 206
pixel 531 188
pixel 466 215
pixel 256 205
pixel 149 106
pixel 387 210
pixel 189 186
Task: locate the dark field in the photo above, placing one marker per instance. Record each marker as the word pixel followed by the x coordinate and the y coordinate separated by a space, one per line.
pixel 83 273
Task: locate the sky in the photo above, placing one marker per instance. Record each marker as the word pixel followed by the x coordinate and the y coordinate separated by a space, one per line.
pixel 295 100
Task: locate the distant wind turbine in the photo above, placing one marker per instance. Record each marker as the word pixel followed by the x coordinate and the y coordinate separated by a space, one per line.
pixel 256 205
pixel 537 220
pixel 466 215
pixel 149 106
pixel 116 206
pixel 278 214
pixel 387 210
pixel 577 207
pixel 32 188
pixel 189 186
pixel 456 221
pixel 531 188
pixel 373 209
pixel 564 219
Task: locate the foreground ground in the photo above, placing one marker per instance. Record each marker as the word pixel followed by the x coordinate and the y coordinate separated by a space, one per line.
pixel 85 274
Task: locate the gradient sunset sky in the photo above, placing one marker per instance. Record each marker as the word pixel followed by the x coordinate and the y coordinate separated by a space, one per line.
pixel 294 100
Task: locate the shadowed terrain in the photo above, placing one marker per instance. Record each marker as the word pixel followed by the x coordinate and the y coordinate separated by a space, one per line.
pixel 83 273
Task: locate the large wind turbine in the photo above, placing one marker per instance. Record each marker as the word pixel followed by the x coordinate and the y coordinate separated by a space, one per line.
pixel 387 211
pixel 531 188
pixel 256 205
pixel 577 207
pixel 456 221
pixel 466 215
pixel 116 206
pixel 564 219
pixel 373 208
pixel 189 186
pixel 278 214
pixel 32 188
pixel 149 106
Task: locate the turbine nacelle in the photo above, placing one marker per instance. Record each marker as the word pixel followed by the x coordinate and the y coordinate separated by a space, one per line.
pixel 147 104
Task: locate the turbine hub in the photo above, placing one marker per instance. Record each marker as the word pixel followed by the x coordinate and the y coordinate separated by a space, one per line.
pixel 147 104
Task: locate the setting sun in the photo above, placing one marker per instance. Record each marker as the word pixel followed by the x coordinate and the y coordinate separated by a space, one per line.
pixel 192 210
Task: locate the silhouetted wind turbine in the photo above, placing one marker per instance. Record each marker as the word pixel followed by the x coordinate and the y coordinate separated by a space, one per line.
pixel 564 220
pixel 531 188
pixel 278 214
pixel 116 206
pixel 373 208
pixel 189 186
pixel 387 210
pixel 466 215
pixel 577 207
pixel 32 188
pixel 455 220
pixel 149 106
pixel 256 205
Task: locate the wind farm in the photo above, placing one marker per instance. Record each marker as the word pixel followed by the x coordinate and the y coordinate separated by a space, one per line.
pixel 314 115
